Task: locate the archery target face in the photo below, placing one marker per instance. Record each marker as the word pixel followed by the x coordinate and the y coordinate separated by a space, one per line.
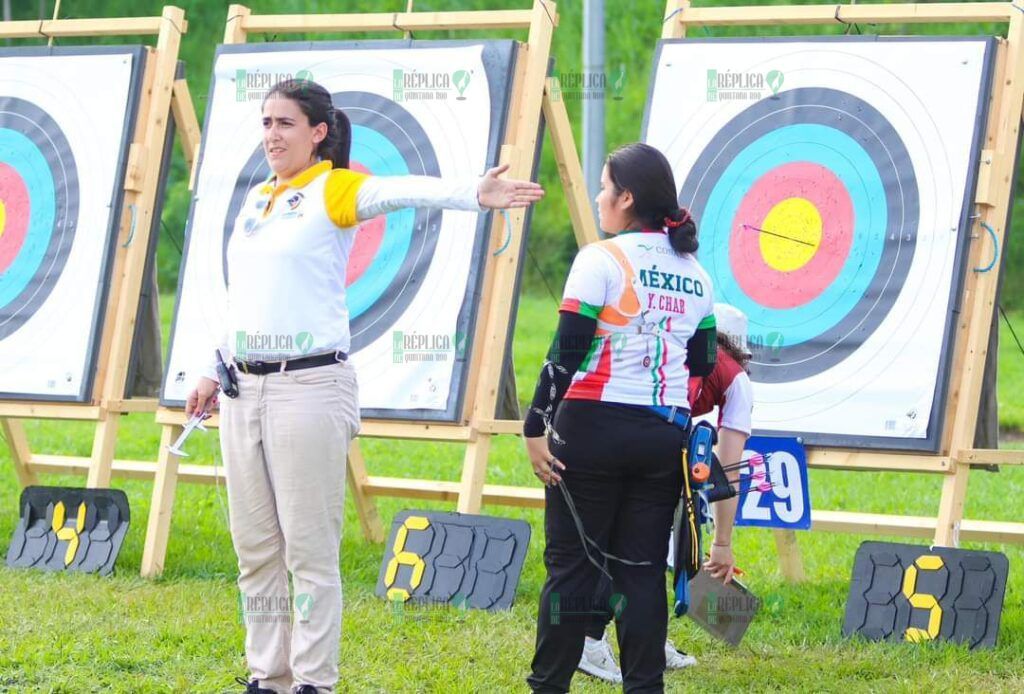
pixel 830 182
pixel 411 272
pixel 64 121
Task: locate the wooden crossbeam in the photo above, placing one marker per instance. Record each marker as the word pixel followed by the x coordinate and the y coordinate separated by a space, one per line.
pixel 387 21
pixel 914 526
pixel 78 28
pixel 793 15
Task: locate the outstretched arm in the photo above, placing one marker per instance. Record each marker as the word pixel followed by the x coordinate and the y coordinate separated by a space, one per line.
pixel 382 194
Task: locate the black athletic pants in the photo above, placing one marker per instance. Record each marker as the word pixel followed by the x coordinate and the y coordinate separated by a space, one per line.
pixel 624 473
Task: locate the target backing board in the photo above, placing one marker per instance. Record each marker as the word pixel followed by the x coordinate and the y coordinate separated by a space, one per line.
pixel 66 121
pixel 832 181
pixel 435 108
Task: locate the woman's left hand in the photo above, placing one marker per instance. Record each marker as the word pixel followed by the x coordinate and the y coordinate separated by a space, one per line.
pixel 721 564
pixel 545 465
pixel 496 193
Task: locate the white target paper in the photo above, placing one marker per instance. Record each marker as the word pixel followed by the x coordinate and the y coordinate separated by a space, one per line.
pixel 831 181
pixel 64 120
pixel 447 119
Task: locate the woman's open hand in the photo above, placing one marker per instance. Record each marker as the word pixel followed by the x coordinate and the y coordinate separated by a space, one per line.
pixel 545 465
pixel 497 193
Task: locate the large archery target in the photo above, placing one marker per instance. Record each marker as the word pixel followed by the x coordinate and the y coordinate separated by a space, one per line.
pixel 38 201
pixel 65 119
pixel 411 271
pixel 830 180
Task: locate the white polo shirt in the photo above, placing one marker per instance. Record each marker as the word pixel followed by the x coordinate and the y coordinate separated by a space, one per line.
pixel 289 251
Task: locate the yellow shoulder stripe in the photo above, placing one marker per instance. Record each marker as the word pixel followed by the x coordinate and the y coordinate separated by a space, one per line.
pixel 340 196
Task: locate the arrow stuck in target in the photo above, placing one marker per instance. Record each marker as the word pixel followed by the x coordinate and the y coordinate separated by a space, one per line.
pixel 777 235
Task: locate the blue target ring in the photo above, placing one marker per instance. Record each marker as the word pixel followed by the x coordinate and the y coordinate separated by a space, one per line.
pixel 379 155
pixel 38 179
pixel 858 147
pixel 41 175
pixel 386 140
pixel 843 156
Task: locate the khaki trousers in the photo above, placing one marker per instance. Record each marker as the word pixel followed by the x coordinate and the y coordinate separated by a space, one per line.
pixel 284 441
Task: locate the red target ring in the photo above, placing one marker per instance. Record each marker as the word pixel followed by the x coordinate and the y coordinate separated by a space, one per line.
pixel 791 235
pixel 368 240
pixel 14 215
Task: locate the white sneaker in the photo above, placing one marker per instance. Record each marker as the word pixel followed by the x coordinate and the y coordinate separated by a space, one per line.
pixel 676 659
pixel 597 660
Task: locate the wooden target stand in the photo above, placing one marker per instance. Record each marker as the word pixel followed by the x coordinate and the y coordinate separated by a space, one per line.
pixel 530 98
pixel 993 199
pixel 161 93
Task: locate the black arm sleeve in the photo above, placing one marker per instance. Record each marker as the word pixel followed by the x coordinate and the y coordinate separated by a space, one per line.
pixel 701 351
pixel 571 344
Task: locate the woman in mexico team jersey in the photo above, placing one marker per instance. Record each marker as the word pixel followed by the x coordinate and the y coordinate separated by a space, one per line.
pixel 637 308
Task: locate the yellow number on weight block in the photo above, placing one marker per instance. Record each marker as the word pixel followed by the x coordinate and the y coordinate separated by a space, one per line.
pixel 69 534
pixel 407 558
pixel 924 601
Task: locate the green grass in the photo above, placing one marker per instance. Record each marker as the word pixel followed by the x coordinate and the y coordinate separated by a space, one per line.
pixel 74 633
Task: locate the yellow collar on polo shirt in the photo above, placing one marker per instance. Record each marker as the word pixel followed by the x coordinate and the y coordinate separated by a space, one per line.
pixel 300 180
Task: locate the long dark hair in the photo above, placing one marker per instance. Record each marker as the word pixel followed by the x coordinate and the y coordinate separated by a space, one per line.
pixel 730 348
pixel 315 102
pixel 646 173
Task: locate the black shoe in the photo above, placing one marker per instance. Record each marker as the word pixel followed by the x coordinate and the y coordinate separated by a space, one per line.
pixel 306 689
pixel 253 687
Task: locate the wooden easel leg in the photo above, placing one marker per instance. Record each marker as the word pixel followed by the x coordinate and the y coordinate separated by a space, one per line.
pixel 951 507
pixel 188 127
pixel 17 442
pixel 103 445
pixel 474 472
pixel 789 556
pixel 570 172
pixel 366 506
pixel 165 484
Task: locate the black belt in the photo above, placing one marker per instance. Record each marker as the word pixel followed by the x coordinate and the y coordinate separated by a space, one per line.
pixel 258 368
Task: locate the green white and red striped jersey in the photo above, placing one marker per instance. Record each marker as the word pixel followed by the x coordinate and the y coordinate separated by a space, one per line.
pixel 648 301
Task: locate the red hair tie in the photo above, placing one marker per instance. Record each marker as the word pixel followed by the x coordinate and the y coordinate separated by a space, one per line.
pixel 685 214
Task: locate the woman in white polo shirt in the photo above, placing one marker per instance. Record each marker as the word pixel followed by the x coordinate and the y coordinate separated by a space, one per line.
pixel 285 437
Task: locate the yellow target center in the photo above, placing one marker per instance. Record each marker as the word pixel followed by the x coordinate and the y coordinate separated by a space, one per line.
pixel 790 234
pixel 3 218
